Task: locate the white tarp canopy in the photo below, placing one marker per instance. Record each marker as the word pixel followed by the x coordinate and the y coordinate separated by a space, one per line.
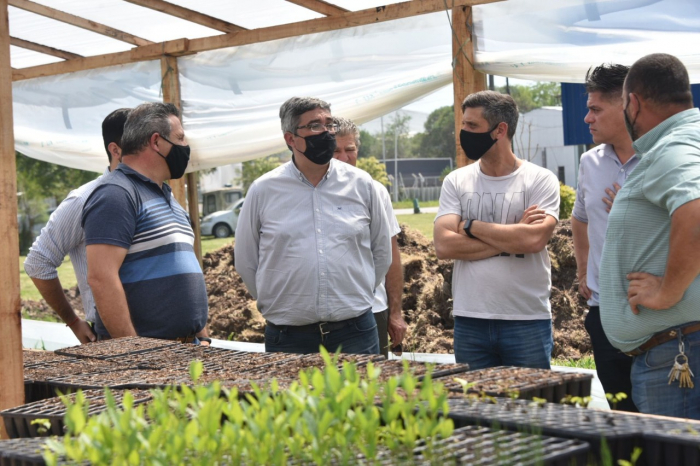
pixel 231 96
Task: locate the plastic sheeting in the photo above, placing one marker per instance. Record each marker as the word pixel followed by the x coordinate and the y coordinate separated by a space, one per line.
pixel 559 41
pixel 231 97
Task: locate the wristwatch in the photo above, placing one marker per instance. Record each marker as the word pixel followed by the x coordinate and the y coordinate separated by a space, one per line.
pixel 207 339
pixel 468 227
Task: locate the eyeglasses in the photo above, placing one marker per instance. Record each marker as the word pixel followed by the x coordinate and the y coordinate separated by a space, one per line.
pixel 320 127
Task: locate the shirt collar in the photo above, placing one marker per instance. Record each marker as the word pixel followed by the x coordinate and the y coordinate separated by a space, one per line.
pixel 127 170
pixel 300 176
pixel 106 172
pixel 609 151
pixel 646 142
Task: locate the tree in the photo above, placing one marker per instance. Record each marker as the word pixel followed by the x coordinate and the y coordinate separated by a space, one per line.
pixel 539 95
pixel 375 168
pixel 439 137
pixel 398 126
pixel 370 145
pixel 254 169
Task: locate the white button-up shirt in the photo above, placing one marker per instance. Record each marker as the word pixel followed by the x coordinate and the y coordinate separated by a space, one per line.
pixel 313 254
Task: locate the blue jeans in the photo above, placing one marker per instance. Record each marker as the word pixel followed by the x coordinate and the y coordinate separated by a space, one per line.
pixel 358 337
pixel 650 389
pixel 483 343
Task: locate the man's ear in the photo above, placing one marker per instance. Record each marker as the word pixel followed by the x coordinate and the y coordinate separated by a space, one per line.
pixel 501 130
pixel 152 142
pixel 114 150
pixel 289 139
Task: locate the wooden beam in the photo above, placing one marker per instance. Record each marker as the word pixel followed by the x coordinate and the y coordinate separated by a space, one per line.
pixel 170 85
pixel 319 6
pixel 79 22
pixel 12 380
pixel 183 46
pixel 25 44
pixel 189 15
pixel 467 79
pixel 193 207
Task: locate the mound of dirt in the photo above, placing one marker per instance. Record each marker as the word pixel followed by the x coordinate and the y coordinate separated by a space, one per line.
pixel 427 298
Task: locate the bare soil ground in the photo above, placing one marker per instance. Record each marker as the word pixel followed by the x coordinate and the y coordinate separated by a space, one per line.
pixel 427 300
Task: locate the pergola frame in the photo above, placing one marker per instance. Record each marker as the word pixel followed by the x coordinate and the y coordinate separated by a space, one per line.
pixel 466 80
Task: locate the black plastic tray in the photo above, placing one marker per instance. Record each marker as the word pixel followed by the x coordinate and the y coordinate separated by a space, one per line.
pixel 18 421
pixel 107 349
pixel 23 452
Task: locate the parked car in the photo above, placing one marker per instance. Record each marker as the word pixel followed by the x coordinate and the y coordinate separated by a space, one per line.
pixel 220 199
pixel 223 223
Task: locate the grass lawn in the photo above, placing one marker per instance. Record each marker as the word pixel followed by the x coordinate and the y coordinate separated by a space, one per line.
pixel 420 222
pixel 209 243
pixel 585 362
pixel 408 204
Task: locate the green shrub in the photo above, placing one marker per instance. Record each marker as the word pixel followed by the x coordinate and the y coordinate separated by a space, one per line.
pixel 328 416
pixel 375 168
pixel 568 197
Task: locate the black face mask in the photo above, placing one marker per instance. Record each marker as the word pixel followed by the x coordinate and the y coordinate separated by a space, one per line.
pixel 177 160
pixel 475 145
pixel 630 124
pixel 320 147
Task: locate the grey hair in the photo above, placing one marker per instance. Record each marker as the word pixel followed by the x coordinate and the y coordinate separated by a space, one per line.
pixel 143 122
pixel 294 108
pixel 347 127
pixel 497 108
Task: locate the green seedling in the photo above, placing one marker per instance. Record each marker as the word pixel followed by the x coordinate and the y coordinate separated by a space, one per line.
pixel 615 399
pixel 636 453
pixel 44 425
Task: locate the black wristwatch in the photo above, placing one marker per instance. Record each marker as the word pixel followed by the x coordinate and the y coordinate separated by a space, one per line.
pixel 468 228
pixel 207 339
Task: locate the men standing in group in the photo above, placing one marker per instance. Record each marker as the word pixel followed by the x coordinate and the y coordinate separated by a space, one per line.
pixel 495 219
pixel 313 242
pixel 649 287
pixel 142 269
pixel 63 235
pixel 602 171
pixel 387 307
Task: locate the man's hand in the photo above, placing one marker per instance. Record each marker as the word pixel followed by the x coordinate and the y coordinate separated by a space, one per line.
pixel 83 332
pixel 533 216
pixel 583 285
pixel 611 196
pixel 646 290
pixel 397 329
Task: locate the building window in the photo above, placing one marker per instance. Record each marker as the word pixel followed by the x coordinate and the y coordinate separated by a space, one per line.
pixel 562 175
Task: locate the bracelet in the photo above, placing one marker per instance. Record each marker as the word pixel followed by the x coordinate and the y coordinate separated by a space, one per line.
pixel 207 339
pixel 73 323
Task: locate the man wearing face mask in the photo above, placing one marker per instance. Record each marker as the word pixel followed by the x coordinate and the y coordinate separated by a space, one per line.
pixel 142 269
pixel 649 286
pixel 313 242
pixel 495 219
pixel 63 236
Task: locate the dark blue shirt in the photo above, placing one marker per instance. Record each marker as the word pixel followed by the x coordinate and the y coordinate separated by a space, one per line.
pixel 162 279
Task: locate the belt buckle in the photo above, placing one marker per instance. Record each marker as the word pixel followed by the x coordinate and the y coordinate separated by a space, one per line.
pixel 320 327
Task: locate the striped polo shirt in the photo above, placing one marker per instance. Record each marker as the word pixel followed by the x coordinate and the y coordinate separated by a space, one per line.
pixel 161 276
pixel 639 227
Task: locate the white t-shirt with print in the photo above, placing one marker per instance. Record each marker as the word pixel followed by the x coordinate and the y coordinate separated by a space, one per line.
pixel 507 287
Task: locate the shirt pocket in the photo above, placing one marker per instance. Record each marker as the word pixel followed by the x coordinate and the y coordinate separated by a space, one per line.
pixel 349 220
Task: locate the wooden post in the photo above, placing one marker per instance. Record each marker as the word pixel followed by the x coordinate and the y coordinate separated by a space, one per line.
pixel 171 94
pixel 12 379
pixel 467 79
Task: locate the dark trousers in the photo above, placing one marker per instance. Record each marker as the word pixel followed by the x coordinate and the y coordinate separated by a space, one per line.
pixel 382 319
pixel 357 336
pixel 613 366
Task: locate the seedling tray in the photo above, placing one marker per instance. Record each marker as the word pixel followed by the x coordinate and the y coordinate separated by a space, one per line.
pixel 33 357
pixel 480 446
pixel 527 383
pixel 115 379
pixel 291 368
pixel 673 444
pixel 418 369
pixel 23 452
pixel 18 421
pixel 116 347
pixel 36 387
pixel 177 356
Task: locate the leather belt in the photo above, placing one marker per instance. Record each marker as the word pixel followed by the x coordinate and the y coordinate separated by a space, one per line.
pixel 319 327
pixel 664 337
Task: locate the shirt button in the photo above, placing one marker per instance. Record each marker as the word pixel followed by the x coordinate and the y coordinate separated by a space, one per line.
pixel 316 210
pixel 323 273
pixel 320 251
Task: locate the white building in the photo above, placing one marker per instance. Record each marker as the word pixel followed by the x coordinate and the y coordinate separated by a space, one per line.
pixel 539 138
pixel 220 177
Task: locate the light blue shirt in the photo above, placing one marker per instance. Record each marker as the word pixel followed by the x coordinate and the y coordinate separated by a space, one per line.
pixel 599 169
pixel 639 227
pixel 313 253
pixel 63 235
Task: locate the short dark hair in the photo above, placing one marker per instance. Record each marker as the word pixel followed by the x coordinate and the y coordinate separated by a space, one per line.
pixel 607 79
pixel 497 108
pixel 661 78
pixel 113 128
pixel 143 122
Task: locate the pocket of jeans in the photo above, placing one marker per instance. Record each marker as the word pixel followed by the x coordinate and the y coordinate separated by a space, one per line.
pixel 364 324
pixel 661 356
pixel 272 335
